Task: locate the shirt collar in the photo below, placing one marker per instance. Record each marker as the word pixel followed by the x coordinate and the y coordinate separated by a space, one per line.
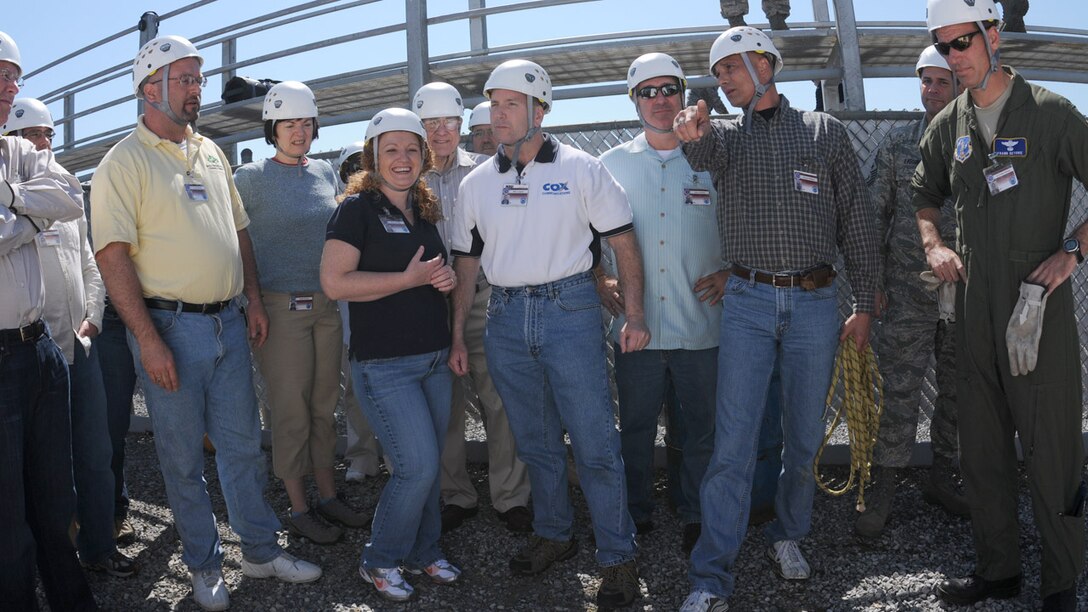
pixel 151 139
pixel 546 155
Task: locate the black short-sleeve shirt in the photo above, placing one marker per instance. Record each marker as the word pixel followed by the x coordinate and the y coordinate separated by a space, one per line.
pixel 410 322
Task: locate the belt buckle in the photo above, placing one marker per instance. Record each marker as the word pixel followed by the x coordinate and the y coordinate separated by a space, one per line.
pixel 26 333
pixel 787 279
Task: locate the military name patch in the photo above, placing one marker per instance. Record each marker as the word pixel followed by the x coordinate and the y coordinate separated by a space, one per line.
pixel 1011 147
pixel 963 148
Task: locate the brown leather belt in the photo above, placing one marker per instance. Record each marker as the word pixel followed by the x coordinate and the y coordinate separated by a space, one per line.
pixel 815 278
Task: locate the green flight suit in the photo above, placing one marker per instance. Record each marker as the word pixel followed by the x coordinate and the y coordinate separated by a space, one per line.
pixel 1002 238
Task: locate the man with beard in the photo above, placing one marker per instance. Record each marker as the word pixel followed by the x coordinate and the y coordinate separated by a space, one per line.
pixel 174 252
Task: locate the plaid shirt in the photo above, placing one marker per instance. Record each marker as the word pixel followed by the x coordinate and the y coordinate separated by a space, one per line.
pixel 765 221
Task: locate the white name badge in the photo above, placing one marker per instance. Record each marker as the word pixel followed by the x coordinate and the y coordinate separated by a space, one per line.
pixel 696 196
pixel 196 192
pixel 49 238
pixel 301 302
pixel 806 182
pixel 393 225
pixel 515 194
pixel 1000 177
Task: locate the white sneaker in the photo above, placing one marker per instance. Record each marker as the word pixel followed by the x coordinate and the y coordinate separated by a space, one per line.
pixel 209 589
pixel 354 476
pixel 702 601
pixel 285 567
pixel 441 572
pixel 788 562
pixel 388 581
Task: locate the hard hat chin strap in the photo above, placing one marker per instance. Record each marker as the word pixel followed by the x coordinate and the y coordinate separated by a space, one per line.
pixel 761 88
pixel 165 108
pixel 646 124
pixel 994 57
pixel 532 131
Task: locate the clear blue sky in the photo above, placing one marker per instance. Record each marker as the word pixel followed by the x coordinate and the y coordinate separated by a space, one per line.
pixel 43 38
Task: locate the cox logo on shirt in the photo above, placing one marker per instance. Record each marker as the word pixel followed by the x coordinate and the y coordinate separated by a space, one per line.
pixel 556 189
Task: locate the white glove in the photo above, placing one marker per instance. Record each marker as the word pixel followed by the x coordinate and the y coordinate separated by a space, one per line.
pixel 946 294
pixel 7 194
pixel 1025 328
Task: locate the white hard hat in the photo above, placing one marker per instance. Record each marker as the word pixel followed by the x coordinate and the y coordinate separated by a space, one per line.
pixel 27 113
pixel 941 13
pixel 481 115
pixel 9 52
pixel 438 100
pixel 159 52
pixel 289 100
pixel 395 120
pixel 653 65
pixel 348 151
pixel 741 40
pixel 522 76
pixel 930 58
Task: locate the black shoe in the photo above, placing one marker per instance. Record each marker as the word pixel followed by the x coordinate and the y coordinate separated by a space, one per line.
pixel 116 564
pixel 975 588
pixel 453 516
pixel 692 531
pixel 1062 601
pixel 644 527
pixel 540 554
pixel 619 586
pixel 517 519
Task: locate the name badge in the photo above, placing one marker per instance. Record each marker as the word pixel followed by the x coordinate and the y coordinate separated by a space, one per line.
pixel 1010 147
pixel 1000 177
pixel 515 194
pixel 696 196
pixel 393 225
pixel 196 192
pixel 49 238
pixel 301 302
pixel 806 182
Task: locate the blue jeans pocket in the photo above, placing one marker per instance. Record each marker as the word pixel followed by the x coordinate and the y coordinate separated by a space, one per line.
pixel 828 292
pixel 164 321
pixel 736 286
pixel 578 298
pixel 497 303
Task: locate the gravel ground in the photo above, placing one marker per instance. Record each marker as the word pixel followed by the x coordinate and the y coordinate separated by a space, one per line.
pixel 897 572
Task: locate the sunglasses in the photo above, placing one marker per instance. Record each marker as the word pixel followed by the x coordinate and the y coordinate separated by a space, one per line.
pixel 960 43
pixel 650 92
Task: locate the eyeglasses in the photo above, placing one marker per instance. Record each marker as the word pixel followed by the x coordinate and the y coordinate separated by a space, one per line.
pixel 32 134
pixel 452 123
pixel 11 77
pixel 960 43
pixel 187 80
pixel 650 92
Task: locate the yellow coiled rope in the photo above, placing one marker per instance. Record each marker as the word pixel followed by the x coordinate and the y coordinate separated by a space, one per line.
pixel 863 401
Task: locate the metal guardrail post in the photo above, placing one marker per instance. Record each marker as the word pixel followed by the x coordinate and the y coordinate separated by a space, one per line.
pixel 819 11
pixel 419 56
pixel 477 27
pixel 70 124
pixel 230 56
pixel 149 29
pixel 847 31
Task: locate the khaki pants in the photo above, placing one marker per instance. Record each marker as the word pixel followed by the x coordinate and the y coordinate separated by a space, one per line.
pixel 300 364
pixel 507 477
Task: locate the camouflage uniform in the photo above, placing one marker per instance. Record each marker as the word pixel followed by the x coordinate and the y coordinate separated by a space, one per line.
pixel 739 8
pixel 910 330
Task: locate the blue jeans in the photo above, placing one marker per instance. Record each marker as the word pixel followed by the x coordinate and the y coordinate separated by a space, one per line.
pixel 769 456
pixel 119 379
pixel 763 326
pixel 406 400
pixel 38 499
pixel 91 451
pixel 215 374
pixel 545 349
pixel 642 378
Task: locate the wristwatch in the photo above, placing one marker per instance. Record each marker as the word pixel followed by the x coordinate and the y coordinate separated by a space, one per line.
pixel 1072 245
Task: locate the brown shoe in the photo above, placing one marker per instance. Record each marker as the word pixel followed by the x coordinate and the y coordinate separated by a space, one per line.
pixel 619 586
pixel 310 525
pixel 123 533
pixel 540 554
pixel 337 511
pixel 517 519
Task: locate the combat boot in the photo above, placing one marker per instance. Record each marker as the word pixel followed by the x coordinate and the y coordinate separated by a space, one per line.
pixel 778 22
pixel 941 489
pixel 878 503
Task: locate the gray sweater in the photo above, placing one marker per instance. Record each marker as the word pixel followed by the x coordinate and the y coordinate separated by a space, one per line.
pixel 288 212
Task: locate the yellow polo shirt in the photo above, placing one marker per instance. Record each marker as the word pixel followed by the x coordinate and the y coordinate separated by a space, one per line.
pixel 179 214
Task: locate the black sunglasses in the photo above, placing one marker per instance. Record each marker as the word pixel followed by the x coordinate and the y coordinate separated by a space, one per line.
pixel 650 92
pixel 960 43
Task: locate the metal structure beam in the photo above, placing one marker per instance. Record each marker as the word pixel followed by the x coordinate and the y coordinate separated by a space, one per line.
pixel 850 47
pixel 419 67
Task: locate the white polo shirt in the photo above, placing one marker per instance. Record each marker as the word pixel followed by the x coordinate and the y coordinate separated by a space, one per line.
pixel 545 225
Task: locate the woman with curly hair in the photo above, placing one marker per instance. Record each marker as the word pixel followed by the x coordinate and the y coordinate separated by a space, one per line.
pixel 384 256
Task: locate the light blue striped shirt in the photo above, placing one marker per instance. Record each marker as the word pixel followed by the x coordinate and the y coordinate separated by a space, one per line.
pixel 679 244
